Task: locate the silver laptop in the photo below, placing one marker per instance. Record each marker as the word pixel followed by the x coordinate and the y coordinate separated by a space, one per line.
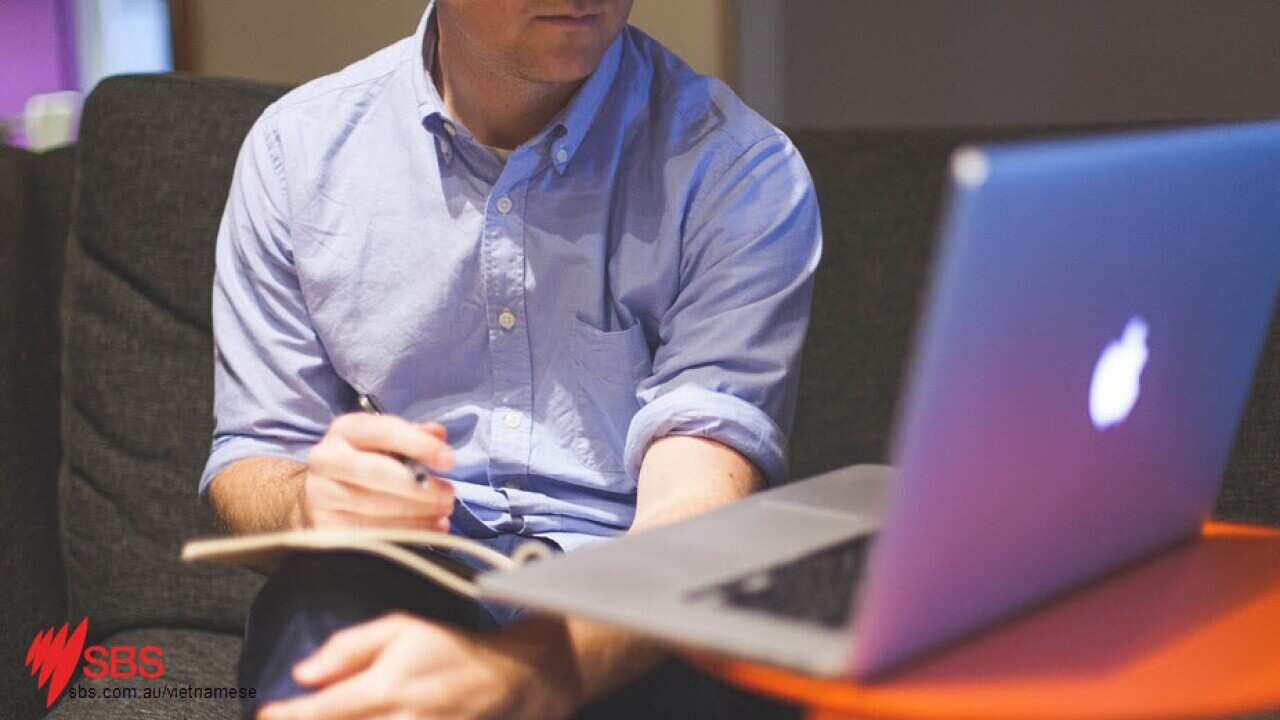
pixel 1096 312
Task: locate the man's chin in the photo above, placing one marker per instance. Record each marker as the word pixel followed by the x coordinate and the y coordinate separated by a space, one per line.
pixel 564 65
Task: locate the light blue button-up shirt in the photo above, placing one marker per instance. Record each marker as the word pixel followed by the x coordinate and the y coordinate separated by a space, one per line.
pixel 642 267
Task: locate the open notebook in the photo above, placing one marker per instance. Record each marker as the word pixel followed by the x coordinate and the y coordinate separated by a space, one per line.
pixel 263 551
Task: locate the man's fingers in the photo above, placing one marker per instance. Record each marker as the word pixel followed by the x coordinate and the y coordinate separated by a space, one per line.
pixel 391 434
pixel 360 696
pixel 439 486
pixel 358 497
pixel 349 650
pixel 436 429
pixel 334 458
pixel 348 518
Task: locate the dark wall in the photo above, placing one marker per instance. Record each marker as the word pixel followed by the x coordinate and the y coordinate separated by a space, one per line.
pixel 858 63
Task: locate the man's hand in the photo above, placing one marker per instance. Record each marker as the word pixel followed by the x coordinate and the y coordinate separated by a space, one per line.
pixel 405 667
pixel 354 479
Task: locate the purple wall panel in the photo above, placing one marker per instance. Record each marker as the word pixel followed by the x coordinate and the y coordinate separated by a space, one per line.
pixel 37 51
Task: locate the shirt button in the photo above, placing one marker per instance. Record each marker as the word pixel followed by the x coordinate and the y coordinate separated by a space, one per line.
pixel 445 149
pixel 504 204
pixel 511 484
pixel 562 156
pixel 507 319
pixel 511 420
pixel 449 128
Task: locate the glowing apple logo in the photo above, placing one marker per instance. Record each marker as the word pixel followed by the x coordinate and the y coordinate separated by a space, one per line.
pixel 1114 390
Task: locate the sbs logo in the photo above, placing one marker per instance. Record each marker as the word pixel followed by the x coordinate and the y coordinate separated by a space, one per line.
pixel 54 656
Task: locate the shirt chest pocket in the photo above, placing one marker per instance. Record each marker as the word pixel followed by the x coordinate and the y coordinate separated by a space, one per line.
pixel 606 368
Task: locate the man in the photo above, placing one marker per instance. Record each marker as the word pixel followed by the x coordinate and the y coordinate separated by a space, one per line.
pixel 573 274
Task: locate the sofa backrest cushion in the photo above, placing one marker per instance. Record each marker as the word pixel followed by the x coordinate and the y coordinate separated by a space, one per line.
pixel 881 194
pixel 156 157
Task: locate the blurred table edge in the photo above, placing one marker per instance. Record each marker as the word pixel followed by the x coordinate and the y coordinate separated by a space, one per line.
pixel 1208 648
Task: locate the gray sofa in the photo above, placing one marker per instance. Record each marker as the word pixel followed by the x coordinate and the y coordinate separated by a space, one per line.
pixel 106 372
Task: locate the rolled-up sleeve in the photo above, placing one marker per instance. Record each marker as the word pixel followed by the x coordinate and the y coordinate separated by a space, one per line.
pixel 727 363
pixel 275 392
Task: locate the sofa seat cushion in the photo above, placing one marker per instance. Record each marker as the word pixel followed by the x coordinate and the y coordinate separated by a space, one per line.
pixel 192 659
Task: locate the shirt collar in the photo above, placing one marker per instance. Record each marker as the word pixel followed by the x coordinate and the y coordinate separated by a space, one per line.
pixel 423 51
pixel 564 134
pixel 572 124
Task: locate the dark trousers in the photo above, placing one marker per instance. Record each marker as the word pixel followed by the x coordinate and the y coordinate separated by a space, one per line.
pixel 312 595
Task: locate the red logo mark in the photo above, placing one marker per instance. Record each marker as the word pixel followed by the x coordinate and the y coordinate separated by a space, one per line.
pixel 55 656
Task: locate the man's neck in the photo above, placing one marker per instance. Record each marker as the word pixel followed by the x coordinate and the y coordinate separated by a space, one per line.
pixel 500 109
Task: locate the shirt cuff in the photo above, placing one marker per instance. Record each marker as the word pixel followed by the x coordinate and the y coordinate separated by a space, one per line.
pixel 727 419
pixel 230 448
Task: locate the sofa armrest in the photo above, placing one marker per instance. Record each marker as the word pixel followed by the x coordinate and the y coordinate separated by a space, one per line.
pixel 32 584
pixel 1251 491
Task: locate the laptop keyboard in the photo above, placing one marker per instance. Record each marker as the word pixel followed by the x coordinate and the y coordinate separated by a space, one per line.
pixel 817 588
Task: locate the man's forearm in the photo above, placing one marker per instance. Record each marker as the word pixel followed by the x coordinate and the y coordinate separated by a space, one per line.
pixel 606 657
pixel 259 494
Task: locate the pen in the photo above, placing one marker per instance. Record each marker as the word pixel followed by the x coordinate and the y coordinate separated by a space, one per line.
pixel 420 472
